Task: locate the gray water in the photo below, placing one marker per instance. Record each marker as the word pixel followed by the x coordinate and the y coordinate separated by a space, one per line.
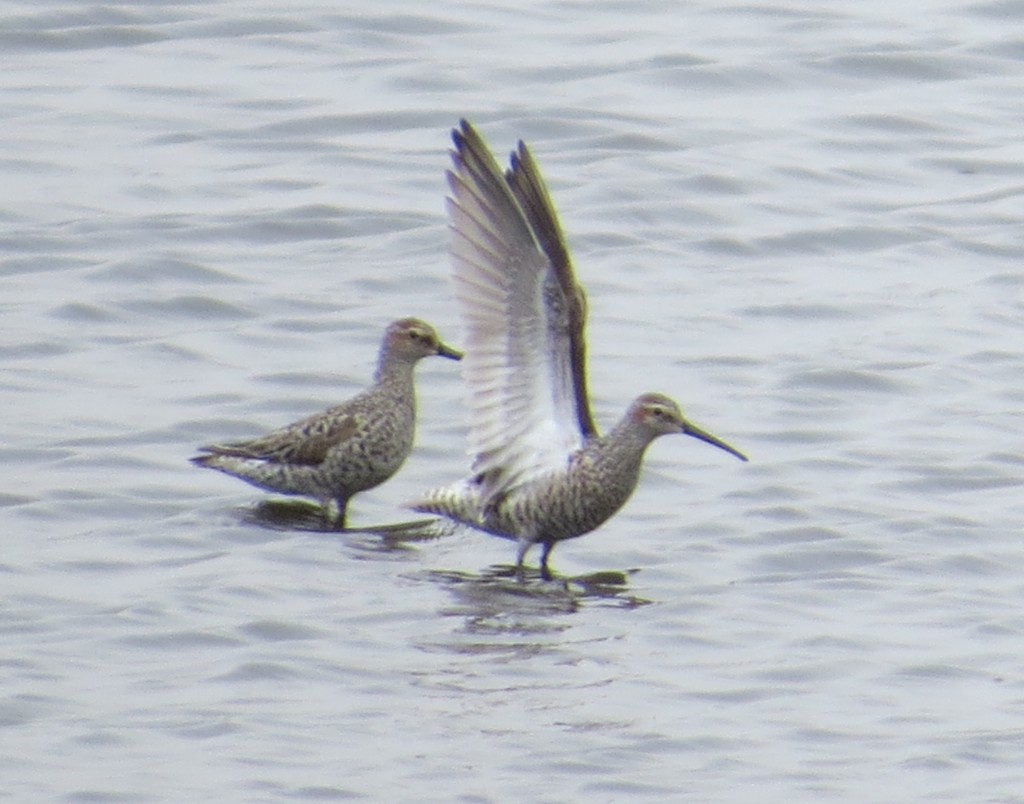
pixel 801 219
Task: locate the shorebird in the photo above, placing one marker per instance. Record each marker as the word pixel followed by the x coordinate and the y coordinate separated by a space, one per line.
pixel 350 447
pixel 541 472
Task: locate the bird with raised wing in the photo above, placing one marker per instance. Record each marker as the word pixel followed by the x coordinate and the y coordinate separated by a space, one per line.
pixel 541 472
pixel 350 447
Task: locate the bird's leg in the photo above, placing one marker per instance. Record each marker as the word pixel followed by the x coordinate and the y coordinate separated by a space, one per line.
pixel 545 572
pixel 334 512
pixel 524 546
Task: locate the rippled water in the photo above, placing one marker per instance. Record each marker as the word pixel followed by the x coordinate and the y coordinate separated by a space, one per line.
pixel 801 219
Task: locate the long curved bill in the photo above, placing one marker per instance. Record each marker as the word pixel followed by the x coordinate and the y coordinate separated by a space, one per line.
pixel 703 435
pixel 444 350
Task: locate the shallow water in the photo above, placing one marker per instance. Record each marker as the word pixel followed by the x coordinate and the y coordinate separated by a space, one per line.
pixel 801 219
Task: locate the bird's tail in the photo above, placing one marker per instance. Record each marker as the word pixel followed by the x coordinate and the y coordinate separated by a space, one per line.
pixel 460 502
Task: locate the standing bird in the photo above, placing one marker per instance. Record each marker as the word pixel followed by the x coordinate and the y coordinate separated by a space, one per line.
pixel 541 471
pixel 350 447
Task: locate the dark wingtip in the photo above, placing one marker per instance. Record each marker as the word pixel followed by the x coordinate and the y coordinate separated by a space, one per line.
pixel 462 132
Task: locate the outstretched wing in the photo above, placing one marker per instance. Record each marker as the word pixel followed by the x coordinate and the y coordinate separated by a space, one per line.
pixel 523 313
pixel 532 194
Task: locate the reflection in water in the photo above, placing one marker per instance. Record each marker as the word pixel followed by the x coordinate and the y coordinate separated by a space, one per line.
pixel 484 598
pixel 301 515
pixel 288 515
pixel 506 620
pixel 304 515
pixel 496 600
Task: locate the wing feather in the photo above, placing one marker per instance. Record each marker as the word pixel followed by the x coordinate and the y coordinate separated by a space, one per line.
pixel 520 365
pixel 306 442
pixel 531 192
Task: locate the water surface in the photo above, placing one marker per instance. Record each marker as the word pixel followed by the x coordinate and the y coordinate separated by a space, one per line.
pixel 800 219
